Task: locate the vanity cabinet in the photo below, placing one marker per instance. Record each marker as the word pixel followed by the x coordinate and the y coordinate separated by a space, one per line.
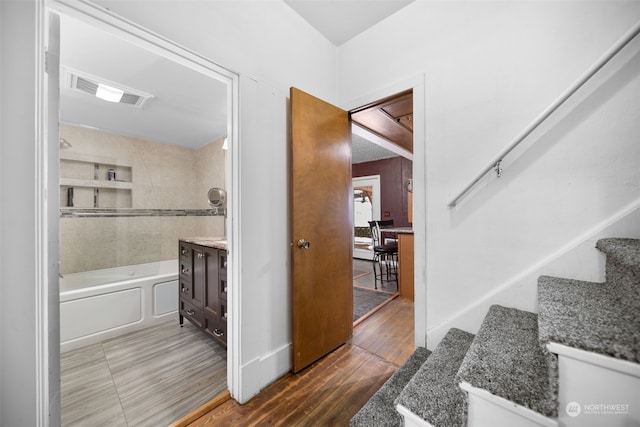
pixel 203 288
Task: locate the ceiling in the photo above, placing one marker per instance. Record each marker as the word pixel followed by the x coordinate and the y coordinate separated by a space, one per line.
pixel 341 20
pixel 188 108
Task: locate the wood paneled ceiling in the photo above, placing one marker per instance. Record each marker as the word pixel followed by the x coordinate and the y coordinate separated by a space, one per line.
pixel 391 119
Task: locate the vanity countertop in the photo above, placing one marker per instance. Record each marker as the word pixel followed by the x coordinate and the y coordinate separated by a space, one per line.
pixel 398 230
pixel 211 242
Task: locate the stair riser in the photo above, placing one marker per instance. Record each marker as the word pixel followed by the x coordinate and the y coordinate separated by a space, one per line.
pixel 410 419
pixel 586 384
pixel 487 409
pixel 483 413
pixel 623 277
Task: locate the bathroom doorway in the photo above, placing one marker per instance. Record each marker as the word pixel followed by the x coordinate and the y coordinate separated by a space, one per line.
pixel 127 195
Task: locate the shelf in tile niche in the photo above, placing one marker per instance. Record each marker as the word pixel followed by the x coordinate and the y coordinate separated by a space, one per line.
pixel 94 182
pixel 77 182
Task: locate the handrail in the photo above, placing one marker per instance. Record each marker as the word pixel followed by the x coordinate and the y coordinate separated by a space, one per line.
pixel 601 62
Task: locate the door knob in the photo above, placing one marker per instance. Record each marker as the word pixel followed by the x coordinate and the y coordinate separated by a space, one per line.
pixel 303 244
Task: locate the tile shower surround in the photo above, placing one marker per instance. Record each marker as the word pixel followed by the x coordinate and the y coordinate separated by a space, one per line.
pixel 170 185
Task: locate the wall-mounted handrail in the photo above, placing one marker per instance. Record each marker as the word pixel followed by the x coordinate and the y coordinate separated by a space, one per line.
pixel 601 62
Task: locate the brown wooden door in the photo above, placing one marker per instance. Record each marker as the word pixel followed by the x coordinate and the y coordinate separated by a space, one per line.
pixel 322 217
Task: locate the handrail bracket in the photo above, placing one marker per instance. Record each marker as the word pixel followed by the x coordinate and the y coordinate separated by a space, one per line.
pixel 497 168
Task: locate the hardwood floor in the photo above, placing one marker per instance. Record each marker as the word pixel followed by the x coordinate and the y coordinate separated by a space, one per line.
pixel 332 390
pixel 146 378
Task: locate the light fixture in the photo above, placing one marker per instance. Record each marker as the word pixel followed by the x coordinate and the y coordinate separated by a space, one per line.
pixel 109 93
pixel 225 144
pixel 64 144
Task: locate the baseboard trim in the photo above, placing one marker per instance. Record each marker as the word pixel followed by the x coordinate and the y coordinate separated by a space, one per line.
pixel 262 371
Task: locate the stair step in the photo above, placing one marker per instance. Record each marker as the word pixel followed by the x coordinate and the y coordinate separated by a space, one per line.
pixel 433 394
pixel 507 360
pixel 380 409
pixel 595 317
pixel 623 263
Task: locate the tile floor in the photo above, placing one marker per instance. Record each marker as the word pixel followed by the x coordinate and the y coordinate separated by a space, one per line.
pixel 150 377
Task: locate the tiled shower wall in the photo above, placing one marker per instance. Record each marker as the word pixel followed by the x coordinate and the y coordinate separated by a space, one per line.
pixel 163 177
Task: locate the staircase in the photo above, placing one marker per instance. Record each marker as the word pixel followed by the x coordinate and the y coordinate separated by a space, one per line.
pixel 575 363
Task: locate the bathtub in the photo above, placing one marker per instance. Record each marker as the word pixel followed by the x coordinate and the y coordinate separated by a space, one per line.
pixel 101 304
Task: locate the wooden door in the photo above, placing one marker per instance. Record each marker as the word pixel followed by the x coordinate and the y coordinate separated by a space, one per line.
pixel 322 228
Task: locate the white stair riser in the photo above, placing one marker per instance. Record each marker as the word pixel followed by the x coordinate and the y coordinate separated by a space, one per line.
pixel 488 410
pixel 587 387
pixel 483 413
pixel 410 419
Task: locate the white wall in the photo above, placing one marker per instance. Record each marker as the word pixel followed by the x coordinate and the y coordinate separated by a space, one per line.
pixel 491 68
pixel 18 361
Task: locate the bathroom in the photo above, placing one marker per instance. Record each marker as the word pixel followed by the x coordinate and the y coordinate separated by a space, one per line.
pixel 134 179
pixel 108 227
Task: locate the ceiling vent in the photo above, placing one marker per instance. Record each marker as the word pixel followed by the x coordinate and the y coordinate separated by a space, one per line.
pixel 71 79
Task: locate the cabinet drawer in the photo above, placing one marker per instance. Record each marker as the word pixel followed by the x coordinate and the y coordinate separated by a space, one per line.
pixel 224 316
pixel 222 287
pixel 191 312
pixel 222 263
pixel 186 268
pixel 214 328
pixel 184 250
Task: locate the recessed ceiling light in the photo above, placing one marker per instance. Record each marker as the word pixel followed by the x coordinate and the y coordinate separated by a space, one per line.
pixel 109 93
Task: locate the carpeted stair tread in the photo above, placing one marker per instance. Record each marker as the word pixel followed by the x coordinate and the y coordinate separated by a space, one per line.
pixel 380 410
pixel 602 318
pixel 433 394
pixel 621 251
pixel 506 360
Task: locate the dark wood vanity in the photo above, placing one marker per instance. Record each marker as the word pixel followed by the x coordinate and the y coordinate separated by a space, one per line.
pixel 203 286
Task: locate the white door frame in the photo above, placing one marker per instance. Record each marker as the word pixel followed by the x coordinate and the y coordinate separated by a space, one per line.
pixel 374 182
pixel 418 85
pixel 108 21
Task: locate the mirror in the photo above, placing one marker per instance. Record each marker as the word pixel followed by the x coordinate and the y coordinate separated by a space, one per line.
pixel 217 197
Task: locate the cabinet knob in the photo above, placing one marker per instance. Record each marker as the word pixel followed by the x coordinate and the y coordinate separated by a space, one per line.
pixel 225 290
pixel 185 289
pixel 200 255
pixel 191 312
pixel 218 332
pixel 184 252
pixel 185 271
pixel 225 317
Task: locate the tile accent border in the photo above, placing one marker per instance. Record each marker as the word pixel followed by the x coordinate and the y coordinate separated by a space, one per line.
pixel 117 212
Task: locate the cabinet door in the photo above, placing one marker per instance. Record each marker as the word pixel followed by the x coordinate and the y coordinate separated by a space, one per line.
pixel 199 276
pixel 211 306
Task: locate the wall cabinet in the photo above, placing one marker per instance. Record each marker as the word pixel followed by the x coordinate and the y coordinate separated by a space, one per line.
pixel 203 289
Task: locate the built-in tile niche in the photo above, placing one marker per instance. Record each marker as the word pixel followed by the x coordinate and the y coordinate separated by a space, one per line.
pixel 94 182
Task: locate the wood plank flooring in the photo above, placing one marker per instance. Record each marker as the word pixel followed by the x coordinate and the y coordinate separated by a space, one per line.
pixel 146 378
pixel 332 390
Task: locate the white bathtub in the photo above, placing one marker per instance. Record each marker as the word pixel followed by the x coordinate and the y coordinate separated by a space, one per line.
pixel 102 304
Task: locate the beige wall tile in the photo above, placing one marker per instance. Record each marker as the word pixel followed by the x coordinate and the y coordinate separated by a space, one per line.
pixel 163 177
